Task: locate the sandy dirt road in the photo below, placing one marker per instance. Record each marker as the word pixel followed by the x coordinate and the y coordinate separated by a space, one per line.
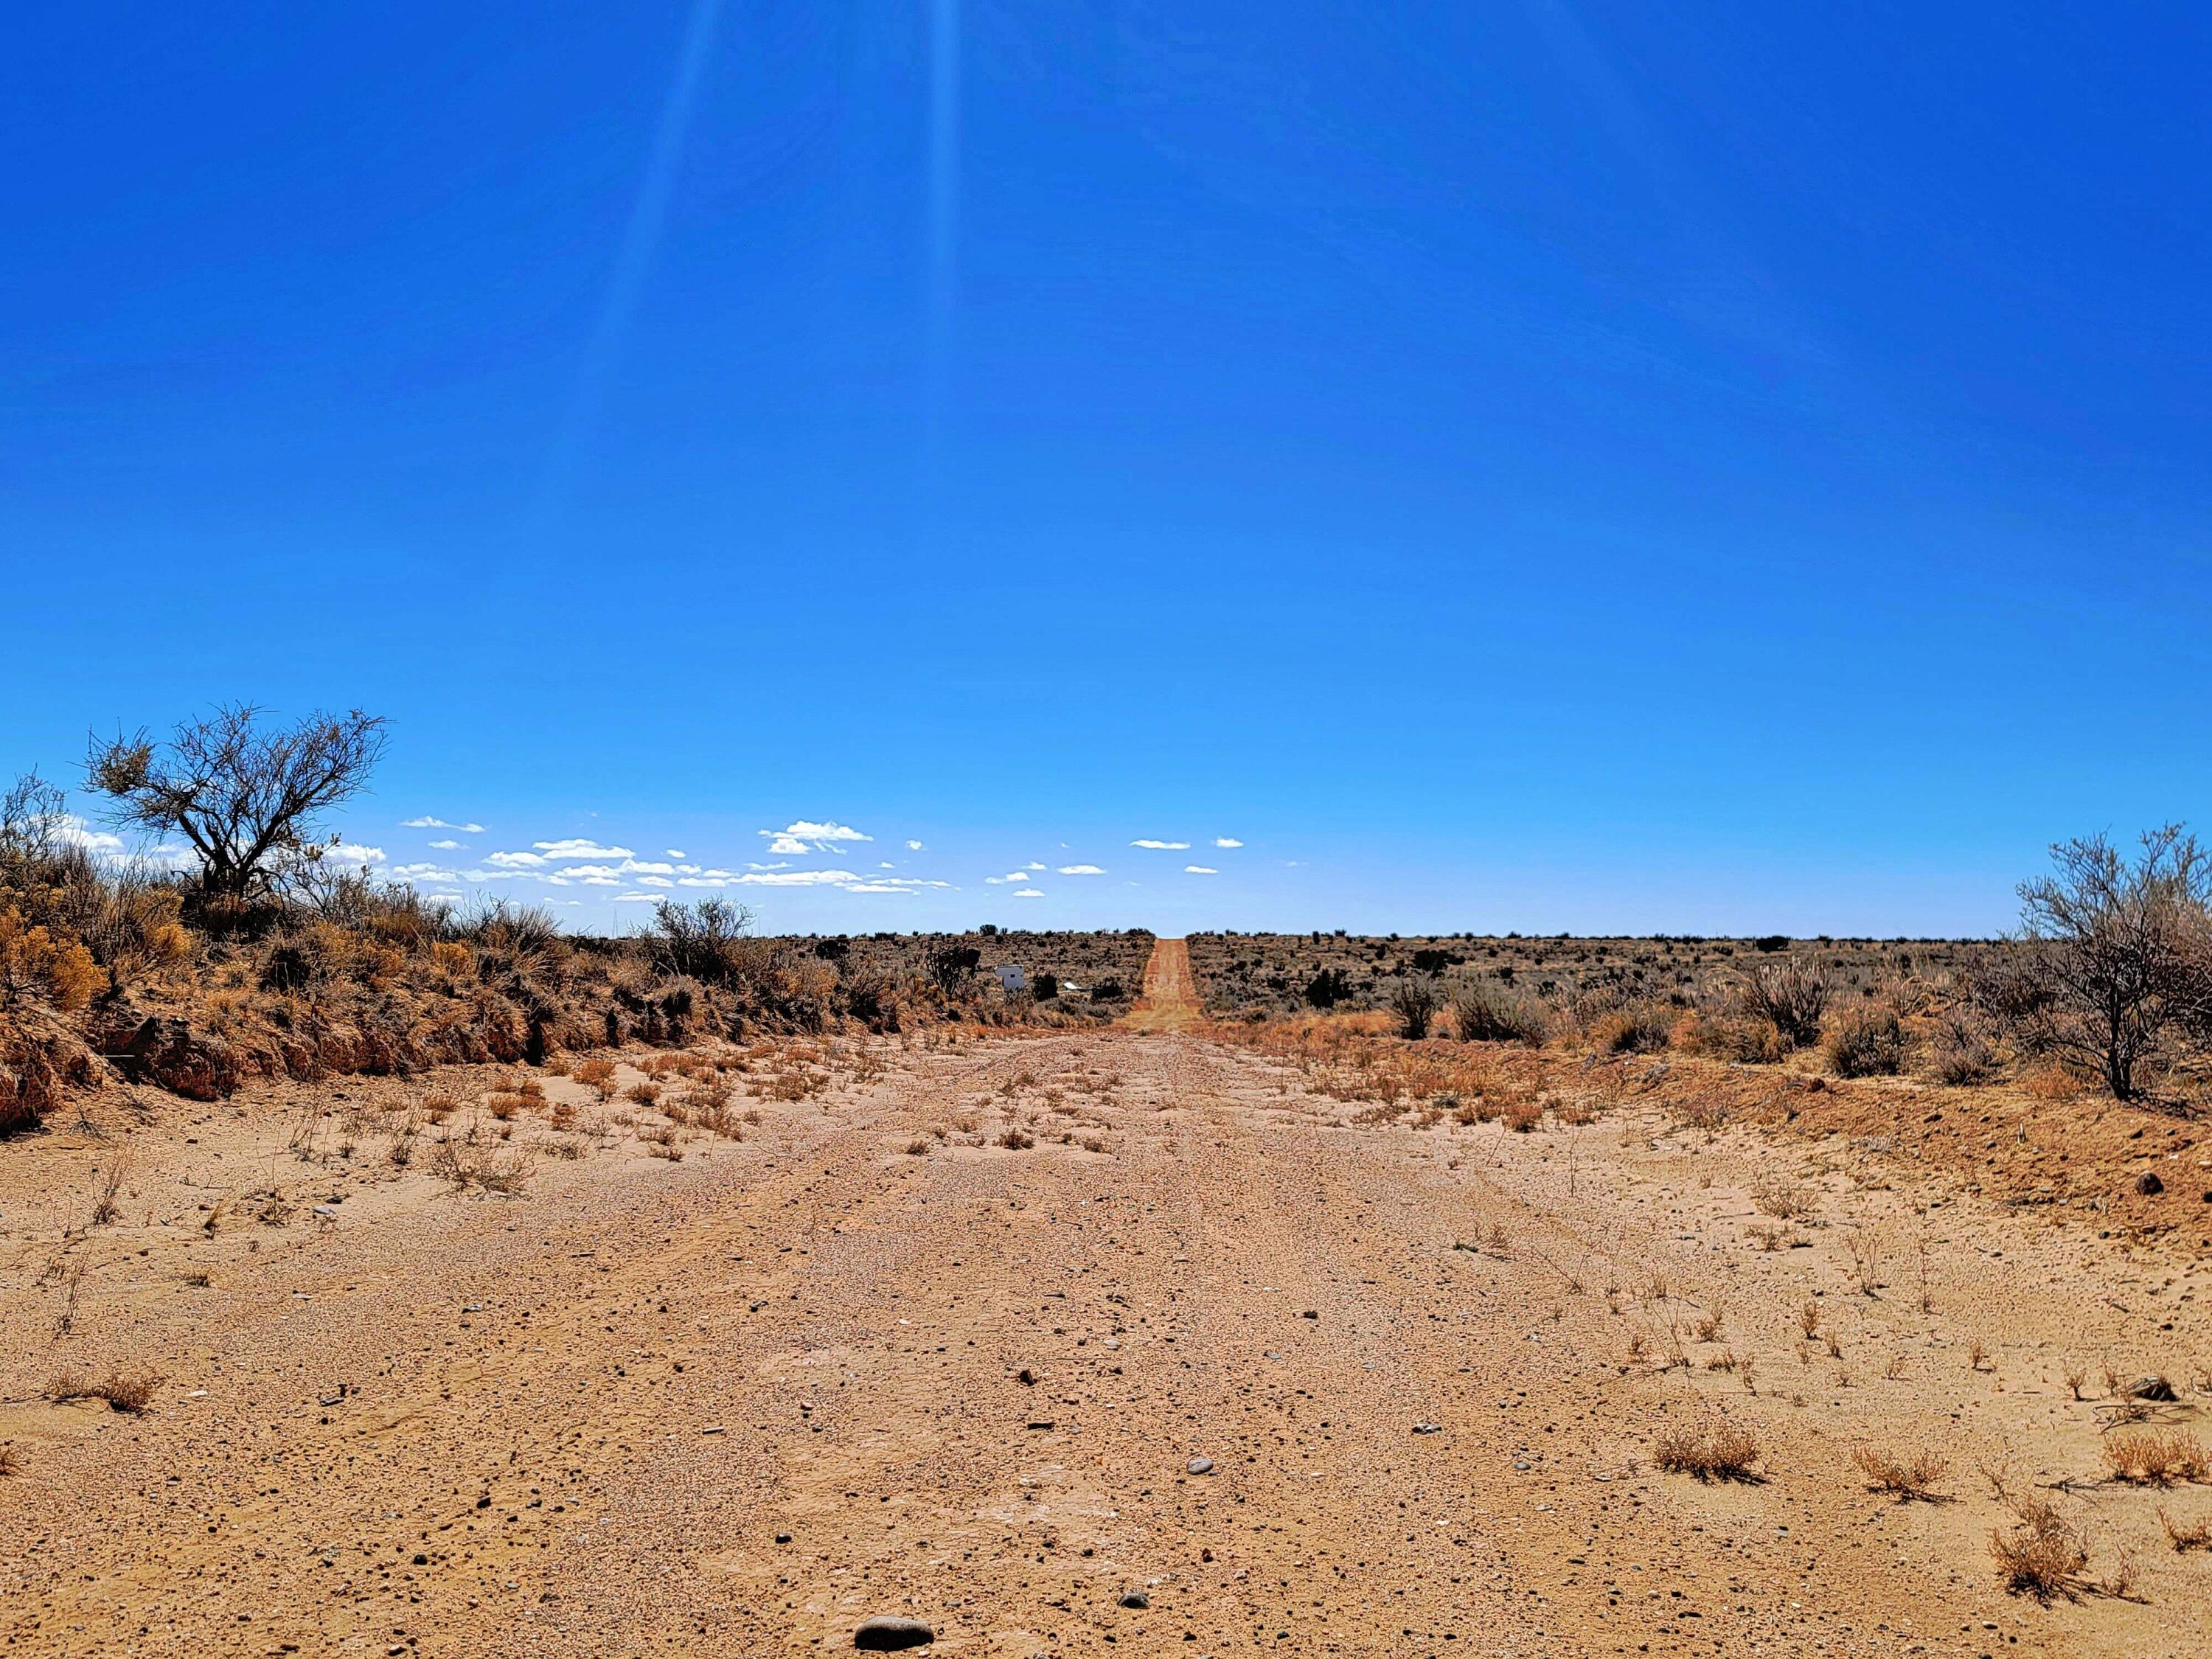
pixel 736 1404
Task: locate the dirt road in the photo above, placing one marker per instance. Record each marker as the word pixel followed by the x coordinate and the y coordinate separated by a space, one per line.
pixel 882 1357
pixel 1170 1001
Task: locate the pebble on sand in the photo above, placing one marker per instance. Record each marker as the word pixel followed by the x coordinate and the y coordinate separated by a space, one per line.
pixel 1135 1599
pixel 1200 1466
pixel 888 1635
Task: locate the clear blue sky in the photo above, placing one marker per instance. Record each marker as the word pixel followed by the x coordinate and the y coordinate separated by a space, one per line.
pixel 1695 467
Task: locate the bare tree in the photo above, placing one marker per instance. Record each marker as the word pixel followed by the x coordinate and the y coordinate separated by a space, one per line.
pixel 246 796
pixel 2120 946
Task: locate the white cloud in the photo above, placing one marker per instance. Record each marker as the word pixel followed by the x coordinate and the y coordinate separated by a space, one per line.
pixel 1032 865
pixel 797 878
pixel 448 845
pixel 1030 892
pixel 1163 845
pixel 516 860
pixel 654 881
pixel 778 866
pixel 653 869
pixel 1227 841
pixel 1012 880
pixel 429 823
pixel 591 872
pixel 423 872
pixel 676 852
pixel 914 847
pixel 703 881
pixel 584 847
pixel 350 853
pixel 1199 870
pixel 638 898
pixel 1080 870
pixel 879 887
pixel 76 832
pixel 805 834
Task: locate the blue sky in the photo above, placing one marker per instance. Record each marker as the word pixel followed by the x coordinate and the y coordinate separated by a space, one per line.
pixel 1613 467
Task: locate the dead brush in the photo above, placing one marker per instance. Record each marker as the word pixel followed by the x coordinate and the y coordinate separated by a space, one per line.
pixel 1721 1452
pixel 2186 1536
pixel 1016 1139
pixel 499 1168
pixel 2143 1458
pixel 128 1392
pixel 2041 1556
pixel 104 1207
pixel 596 1072
pixel 1906 1477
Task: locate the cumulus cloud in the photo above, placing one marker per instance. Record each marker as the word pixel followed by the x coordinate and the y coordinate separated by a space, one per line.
pixel 74 832
pixel 1033 865
pixel 516 860
pixel 806 835
pixel 1199 870
pixel 654 881
pixel 1163 845
pixel 796 879
pixel 1030 892
pixel 423 872
pixel 448 845
pixel 637 899
pixel 429 823
pixel 580 848
pixel 352 852
pixel 1013 881
pixel 654 868
pixel 675 852
pixel 1227 841
pixel 879 887
pixel 1080 870
pixel 914 847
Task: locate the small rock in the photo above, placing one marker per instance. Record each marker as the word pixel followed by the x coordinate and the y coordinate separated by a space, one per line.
pixel 888 1635
pixel 1428 1428
pixel 1312 1313
pixel 1026 1377
pixel 783 1538
pixel 1200 1466
pixel 2148 1184
pixel 1135 1599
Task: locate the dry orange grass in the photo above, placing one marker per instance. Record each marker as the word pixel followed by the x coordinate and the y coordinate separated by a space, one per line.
pixel 2042 1556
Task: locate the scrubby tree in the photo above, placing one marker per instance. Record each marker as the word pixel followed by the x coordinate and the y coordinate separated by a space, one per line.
pixel 2123 948
pixel 244 795
pixel 1414 1002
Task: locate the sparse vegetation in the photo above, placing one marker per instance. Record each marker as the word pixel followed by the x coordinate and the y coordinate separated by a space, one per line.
pixel 1723 1452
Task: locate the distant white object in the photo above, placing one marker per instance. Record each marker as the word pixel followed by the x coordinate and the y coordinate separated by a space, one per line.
pixel 1013 979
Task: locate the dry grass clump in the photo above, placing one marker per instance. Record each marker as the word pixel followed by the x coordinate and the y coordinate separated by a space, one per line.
pixel 2192 1535
pixel 1906 1477
pixel 1723 1452
pixel 2146 1458
pixel 1016 1139
pixel 598 1073
pixel 130 1392
pixel 1488 1014
pixel 2041 1556
pixel 1866 1042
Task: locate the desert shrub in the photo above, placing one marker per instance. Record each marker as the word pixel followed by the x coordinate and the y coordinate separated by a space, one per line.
pixel 1487 1013
pixel 2144 1458
pixel 2041 1556
pixel 1413 1000
pixel 700 940
pixel 1723 1452
pixel 950 966
pixel 1961 1049
pixel 1904 1476
pixel 1744 1038
pixel 34 961
pixel 1045 987
pixel 1640 1028
pixel 1791 995
pixel 1327 987
pixel 2122 951
pixel 1867 1041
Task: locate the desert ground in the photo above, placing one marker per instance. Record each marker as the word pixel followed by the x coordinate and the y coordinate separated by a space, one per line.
pixel 1121 1340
